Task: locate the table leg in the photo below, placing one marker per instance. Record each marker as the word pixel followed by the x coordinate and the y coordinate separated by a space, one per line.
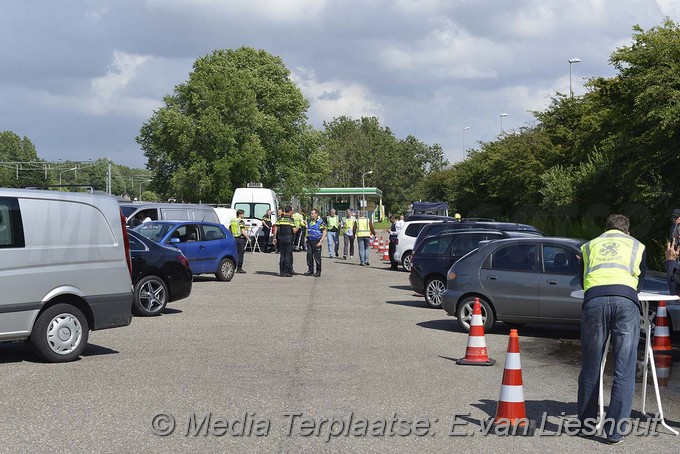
pixel 649 353
pixel 600 398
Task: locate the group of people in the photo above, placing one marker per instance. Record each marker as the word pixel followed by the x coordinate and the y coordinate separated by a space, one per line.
pixel 612 275
pixel 291 232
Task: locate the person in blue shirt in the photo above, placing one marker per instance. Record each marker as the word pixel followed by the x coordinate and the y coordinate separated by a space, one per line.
pixel 316 234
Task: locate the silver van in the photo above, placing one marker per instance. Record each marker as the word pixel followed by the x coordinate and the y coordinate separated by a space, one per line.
pixel 136 213
pixel 64 269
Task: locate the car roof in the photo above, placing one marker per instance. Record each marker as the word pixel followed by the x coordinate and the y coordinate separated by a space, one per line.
pixel 541 239
pixel 182 223
pixel 466 231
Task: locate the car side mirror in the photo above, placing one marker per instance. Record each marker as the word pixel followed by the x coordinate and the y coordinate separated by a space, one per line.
pixel 174 240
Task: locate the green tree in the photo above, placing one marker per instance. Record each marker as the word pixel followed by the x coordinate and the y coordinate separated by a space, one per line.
pixel 16 149
pixel 239 118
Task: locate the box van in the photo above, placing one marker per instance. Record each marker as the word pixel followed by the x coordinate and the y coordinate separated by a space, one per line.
pixel 255 201
pixel 64 269
pixel 135 213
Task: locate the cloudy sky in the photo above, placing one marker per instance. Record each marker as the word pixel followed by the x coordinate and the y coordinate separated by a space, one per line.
pixel 79 78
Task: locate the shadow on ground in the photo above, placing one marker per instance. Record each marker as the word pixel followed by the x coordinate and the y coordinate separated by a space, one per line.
pixel 20 351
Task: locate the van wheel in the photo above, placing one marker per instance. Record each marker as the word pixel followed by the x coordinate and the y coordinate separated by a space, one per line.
pixel 434 290
pixel 150 296
pixel 60 333
pixel 464 313
pixel 406 261
pixel 226 270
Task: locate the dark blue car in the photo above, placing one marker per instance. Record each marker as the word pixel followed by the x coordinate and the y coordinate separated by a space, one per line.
pixel 210 248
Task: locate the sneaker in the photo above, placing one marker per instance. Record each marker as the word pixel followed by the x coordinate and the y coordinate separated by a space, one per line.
pixel 361 264
pixel 344 257
pixel 368 264
pixel 614 442
pixel 240 271
pixel 351 257
pixel 309 273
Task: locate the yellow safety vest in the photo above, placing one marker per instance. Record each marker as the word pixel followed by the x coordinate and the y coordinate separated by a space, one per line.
pixel 297 219
pixel 612 258
pixel 363 228
pixel 235 227
pixel 332 222
pixel 349 224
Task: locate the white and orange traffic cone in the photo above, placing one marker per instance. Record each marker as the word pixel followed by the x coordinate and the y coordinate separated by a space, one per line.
pixel 662 335
pixel 381 248
pixel 664 366
pixel 511 414
pixel 386 254
pixel 476 353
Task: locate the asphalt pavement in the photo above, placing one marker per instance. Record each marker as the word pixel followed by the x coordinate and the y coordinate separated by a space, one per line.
pixel 351 361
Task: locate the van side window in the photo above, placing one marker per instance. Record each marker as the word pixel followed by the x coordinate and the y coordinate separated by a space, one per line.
pixel 11 228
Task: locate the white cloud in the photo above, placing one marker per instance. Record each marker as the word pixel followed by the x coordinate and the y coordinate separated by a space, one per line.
pixel 276 11
pixel 669 8
pixel 333 98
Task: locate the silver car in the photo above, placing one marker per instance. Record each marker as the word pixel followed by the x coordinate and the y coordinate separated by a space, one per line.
pixel 525 280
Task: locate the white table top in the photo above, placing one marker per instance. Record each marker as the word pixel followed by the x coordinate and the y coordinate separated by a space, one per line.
pixel 642 296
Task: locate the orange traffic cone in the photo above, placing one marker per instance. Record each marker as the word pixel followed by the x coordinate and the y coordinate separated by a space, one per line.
pixel 511 415
pixel 475 353
pixel 386 254
pixel 664 366
pixel 662 338
pixel 381 247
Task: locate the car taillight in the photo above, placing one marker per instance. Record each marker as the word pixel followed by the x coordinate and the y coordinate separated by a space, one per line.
pixel 183 260
pixel 126 242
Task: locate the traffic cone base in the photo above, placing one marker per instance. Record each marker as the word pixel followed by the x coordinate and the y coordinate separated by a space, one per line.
pixel 476 353
pixel 662 335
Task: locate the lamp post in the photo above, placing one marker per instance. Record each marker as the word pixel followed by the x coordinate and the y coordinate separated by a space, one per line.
pixel 363 189
pixel 140 188
pixel 571 62
pixel 67 170
pixel 502 115
pixel 463 155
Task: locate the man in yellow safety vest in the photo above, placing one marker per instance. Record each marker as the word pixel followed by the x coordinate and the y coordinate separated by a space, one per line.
pixel 363 229
pixel 613 270
pixel 238 229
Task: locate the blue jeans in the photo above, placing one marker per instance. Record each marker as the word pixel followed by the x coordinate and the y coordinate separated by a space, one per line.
pixel 601 317
pixel 364 249
pixel 333 243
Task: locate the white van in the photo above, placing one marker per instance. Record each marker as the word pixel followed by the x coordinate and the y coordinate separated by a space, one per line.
pixel 64 269
pixel 135 213
pixel 255 201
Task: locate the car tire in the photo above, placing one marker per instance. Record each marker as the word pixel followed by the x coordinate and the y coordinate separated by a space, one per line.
pixel 60 333
pixel 464 313
pixel 150 296
pixel 434 290
pixel 406 261
pixel 226 270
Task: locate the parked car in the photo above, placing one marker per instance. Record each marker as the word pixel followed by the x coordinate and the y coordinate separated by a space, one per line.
pixel 209 247
pixel 160 274
pixel 526 280
pixel 512 228
pixel 64 269
pixel 136 212
pixel 403 248
pixel 435 255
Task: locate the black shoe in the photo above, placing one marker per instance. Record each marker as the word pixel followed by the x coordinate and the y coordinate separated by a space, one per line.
pixel 368 264
pixel 293 273
pixel 344 257
pixel 615 442
pixel 309 273
pixel 241 271
pixel 317 274
pixel 361 264
pixel 286 275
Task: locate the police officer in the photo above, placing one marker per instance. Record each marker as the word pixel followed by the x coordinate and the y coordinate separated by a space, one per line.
pixel 267 228
pixel 363 229
pixel 613 270
pixel 394 265
pixel 238 229
pixel 297 220
pixel 333 227
pixel 316 233
pixel 284 232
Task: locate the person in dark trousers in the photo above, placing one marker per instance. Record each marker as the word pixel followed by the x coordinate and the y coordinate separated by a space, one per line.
pixel 673 268
pixel 266 229
pixel 612 271
pixel 316 233
pixel 238 229
pixel 394 265
pixel 333 229
pixel 284 232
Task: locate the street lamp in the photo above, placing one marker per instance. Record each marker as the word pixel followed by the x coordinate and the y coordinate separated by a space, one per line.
pixel 67 170
pixel 363 195
pixel 463 155
pixel 571 62
pixel 502 115
pixel 140 188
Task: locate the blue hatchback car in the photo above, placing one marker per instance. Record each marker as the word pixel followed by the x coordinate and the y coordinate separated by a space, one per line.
pixel 210 248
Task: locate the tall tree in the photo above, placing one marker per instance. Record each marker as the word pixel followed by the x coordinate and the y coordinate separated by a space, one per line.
pixel 239 118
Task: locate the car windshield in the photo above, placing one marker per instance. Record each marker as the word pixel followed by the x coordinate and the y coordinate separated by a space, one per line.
pixel 153 230
pixel 127 211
